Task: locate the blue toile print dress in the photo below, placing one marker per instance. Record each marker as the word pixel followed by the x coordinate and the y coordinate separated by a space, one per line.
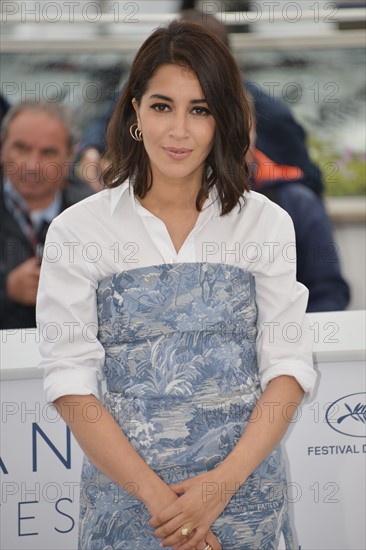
pixel 180 338
pixel 182 380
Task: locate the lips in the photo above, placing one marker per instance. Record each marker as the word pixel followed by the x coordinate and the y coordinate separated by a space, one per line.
pixel 177 153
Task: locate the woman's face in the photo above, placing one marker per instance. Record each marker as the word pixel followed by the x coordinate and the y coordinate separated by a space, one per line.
pixel 177 126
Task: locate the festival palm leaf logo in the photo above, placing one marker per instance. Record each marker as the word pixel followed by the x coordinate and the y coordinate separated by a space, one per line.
pixel 358 413
pixel 347 415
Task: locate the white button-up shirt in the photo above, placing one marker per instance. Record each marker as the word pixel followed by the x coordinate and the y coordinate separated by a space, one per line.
pixel 111 231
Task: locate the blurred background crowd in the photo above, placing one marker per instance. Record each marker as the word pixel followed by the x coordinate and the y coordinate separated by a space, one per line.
pixel 63 68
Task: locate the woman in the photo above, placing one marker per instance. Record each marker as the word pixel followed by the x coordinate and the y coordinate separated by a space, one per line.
pixel 167 278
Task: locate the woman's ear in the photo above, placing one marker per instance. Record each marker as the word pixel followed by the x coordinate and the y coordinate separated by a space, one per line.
pixel 136 107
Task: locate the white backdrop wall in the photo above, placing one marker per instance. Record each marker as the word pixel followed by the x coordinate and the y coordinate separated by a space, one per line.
pixel 326 447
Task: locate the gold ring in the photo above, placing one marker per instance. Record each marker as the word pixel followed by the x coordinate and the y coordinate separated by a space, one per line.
pixel 208 547
pixel 185 530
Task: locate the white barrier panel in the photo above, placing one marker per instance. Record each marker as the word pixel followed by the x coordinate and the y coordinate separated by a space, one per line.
pixel 326 446
pixel 327 461
pixel 40 465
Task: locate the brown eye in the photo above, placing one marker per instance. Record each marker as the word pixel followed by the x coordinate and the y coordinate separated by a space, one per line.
pixel 160 107
pixel 201 111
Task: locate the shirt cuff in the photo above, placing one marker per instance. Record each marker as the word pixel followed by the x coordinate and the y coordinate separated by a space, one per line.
pixel 304 375
pixel 74 381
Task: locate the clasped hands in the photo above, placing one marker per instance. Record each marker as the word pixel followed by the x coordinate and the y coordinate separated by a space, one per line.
pixel 202 499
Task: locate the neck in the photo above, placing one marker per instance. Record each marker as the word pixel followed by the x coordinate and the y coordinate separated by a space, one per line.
pixel 39 203
pixel 172 195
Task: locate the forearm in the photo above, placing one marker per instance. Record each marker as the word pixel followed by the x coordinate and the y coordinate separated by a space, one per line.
pixel 105 444
pixel 265 429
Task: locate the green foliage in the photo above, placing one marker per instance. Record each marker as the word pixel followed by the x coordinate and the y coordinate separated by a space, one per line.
pixel 344 174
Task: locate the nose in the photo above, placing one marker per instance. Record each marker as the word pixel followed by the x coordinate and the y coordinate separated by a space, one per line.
pixel 33 161
pixel 179 126
pixel 31 166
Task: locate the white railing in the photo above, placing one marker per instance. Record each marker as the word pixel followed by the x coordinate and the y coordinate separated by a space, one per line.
pixel 128 44
pixel 122 29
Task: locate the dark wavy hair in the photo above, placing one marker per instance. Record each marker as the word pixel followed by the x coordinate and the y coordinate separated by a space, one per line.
pixel 191 46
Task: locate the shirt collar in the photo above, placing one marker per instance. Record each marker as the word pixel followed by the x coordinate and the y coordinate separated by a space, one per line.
pixel 47 214
pixel 37 216
pixel 210 208
pixel 118 192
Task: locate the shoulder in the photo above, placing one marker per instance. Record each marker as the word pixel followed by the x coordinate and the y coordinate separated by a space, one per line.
pixel 256 219
pixel 94 204
pixel 257 204
pixel 89 214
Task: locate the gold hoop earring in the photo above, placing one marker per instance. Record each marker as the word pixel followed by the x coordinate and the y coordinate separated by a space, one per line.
pixel 136 134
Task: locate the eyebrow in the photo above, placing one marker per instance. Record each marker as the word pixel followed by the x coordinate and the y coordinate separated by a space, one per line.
pixel 50 149
pixel 166 98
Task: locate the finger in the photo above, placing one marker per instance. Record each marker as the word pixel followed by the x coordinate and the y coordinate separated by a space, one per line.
pixel 178 488
pixel 169 527
pixel 164 516
pixel 177 539
pixel 213 541
pixel 35 267
pixel 32 287
pixel 202 544
pixel 32 261
pixel 194 541
pixel 34 277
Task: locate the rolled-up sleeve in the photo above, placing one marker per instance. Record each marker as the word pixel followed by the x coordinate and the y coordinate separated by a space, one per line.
pixel 71 355
pixel 284 343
